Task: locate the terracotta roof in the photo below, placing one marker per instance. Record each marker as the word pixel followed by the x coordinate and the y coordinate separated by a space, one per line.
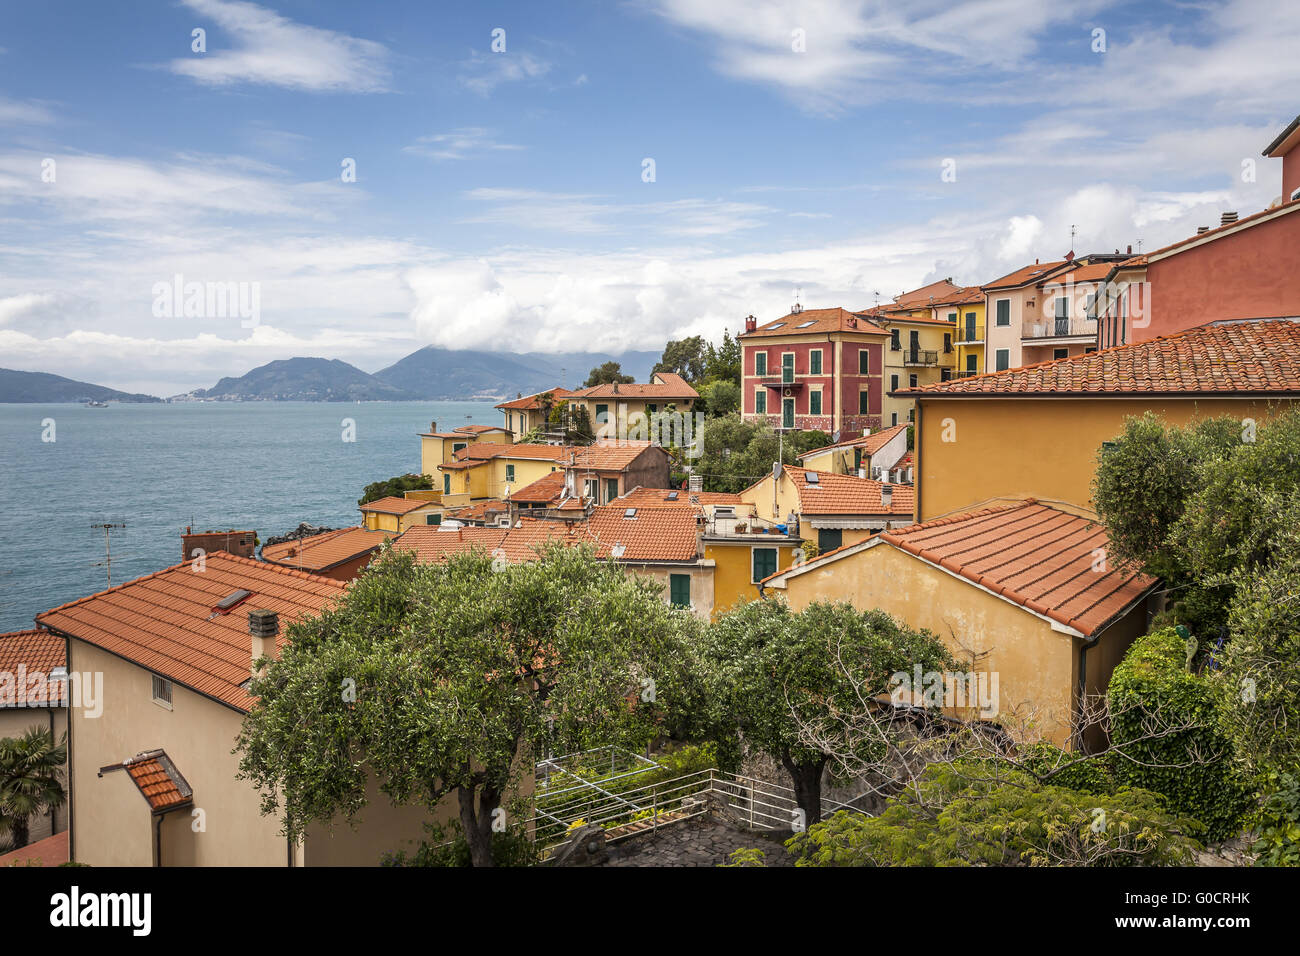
pixel 670 385
pixel 393 505
pixel 157 778
pixel 681 498
pixel 480 429
pixel 606 456
pixel 1039 557
pixel 528 402
pixel 33 653
pixel 922 297
pixel 1254 357
pixel 478 510
pixel 963 296
pixel 652 534
pixel 1026 275
pixel 816 322
pixel 52 851
pixel 320 552
pixel 1089 273
pixel 847 494
pixel 167 622
pixel 870 444
pixel 531 451
pixel 545 489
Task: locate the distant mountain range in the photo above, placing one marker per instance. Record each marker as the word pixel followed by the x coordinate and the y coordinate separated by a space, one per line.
pixel 29 387
pixel 427 374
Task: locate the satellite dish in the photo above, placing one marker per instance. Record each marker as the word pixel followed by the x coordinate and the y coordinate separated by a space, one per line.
pixel 835 437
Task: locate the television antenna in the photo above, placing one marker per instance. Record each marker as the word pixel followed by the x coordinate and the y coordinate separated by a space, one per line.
pixel 107 563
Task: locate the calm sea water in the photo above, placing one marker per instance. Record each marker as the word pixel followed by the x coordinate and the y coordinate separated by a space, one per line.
pixel 157 468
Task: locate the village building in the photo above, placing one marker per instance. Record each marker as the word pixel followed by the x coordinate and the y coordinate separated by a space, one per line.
pixel 34 696
pixel 153 778
pixel 394 515
pixel 340 554
pixel 870 456
pixel 614 409
pixel 1022 594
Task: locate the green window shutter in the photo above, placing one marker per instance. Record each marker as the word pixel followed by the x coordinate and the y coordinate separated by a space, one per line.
pixel 764 562
pixel 433 519
pixel 1004 311
pixel 864 403
pixel 864 362
pixel 679 589
pixel 828 539
pixel 446 484
pixel 815 363
pixel 602 414
pixel 760 403
pixel 1003 359
pixel 814 403
pixel 760 363
pixel 510 472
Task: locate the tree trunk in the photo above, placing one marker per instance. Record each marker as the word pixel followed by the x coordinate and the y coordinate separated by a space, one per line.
pixel 807 779
pixel 20 832
pixel 477 822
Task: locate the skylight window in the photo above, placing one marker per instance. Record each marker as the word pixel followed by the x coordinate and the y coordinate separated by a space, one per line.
pixel 230 600
pixel 804 325
pixel 629 513
pixel 672 496
pixel 812 478
pixel 776 325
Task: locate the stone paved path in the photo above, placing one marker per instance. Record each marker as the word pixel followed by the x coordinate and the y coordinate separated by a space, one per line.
pixel 699 842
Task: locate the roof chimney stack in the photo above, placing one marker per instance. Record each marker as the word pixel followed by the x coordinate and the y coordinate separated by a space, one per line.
pixel 433 426
pixel 886 495
pixel 1227 218
pixel 263 626
pixel 1200 230
pixel 1130 248
pixel 695 483
pixel 751 323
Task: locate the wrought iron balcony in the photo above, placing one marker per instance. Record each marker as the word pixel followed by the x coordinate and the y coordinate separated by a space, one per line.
pixel 921 357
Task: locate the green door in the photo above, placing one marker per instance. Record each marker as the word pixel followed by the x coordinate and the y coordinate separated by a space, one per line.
pixel 787 413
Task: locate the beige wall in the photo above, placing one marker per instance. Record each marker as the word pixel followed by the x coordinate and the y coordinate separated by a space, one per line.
pixel 1036 665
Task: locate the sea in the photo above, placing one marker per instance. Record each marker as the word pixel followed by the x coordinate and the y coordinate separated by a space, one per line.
pixel 156 469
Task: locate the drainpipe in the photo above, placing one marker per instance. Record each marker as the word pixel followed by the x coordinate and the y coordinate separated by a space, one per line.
pixel 1083 688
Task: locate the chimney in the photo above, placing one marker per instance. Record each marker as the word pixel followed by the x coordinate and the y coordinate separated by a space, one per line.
pixel 695 483
pixel 616 388
pixel 751 323
pixel 1227 218
pixel 1130 249
pixel 263 626
pixel 1202 229
pixel 886 495
pixel 433 426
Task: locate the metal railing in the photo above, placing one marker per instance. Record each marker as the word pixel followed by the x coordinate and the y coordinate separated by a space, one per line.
pixel 921 357
pixel 1055 328
pixel 968 333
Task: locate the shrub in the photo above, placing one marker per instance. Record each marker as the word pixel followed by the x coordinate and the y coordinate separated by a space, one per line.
pixel 1277 822
pixel 1151 691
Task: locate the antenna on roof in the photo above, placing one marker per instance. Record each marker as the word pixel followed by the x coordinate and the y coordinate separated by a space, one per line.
pixel 107 563
pixel 1074 231
pixel 1139 247
pixel 797 308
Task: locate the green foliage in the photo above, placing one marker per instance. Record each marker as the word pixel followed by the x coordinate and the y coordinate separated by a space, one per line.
pixel 746 856
pixel 687 357
pixel 1050 764
pixel 395 487
pixel 31 780
pixel 772 671
pixel 722 364
pixel 719 398
pixel 960 816
pixel 1277 821
pixel 447 846
pixel 446 679
pixel 608 373
pixel 1167 738
pixel 736 452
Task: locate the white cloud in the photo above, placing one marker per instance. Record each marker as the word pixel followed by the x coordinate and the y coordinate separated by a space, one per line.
pixel 16 305
pixel 274 50
pixel 459 144
pixel 482 73
pixel 18 113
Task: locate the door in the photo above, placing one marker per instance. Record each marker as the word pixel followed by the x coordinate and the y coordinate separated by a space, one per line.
pixel 972 363
pixel 787 413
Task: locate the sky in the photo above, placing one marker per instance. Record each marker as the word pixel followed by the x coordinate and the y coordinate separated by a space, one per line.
pixel 586 176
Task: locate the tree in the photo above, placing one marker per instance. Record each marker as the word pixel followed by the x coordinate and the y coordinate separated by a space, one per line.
pixel 31 780
pixel 719 398
pixel 449 679
pixel 394 487
pixel 608 373
pixel 722 364
pixel 979 816
pixel 686 357
pixel 736 452
pixel 772 670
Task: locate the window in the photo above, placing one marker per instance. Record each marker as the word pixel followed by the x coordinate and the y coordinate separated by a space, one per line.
pixel 787 367
pixel 1090 306
pixel 760 402
pixel 162 691
pixel 804 325
pixel 1004 311
pixel 911 381
pixel 651 409
pixel 679 590
pixel 893 419
pixel 971 363
pixel 828 539
pixel 787 413
pixel 510 472
pixel 1062 307
pixel 764 563
pixel 894 344
pixel 893 383
pixel 864 362
pixel 815 362
pixel 947 342
pixel 435 518
pixel 611 489
pixel 590 488
pixel 1060 353
pixel 815 402
pixel 446 484
pixel 1003 359
pixel 864 403
pixel 457 446
pixel 952 317
pixel 602 414
pixel 760 363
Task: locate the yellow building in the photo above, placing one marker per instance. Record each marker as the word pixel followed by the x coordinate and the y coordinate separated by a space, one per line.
pixel 438 448
pixel 614 410
pixel 395 515
pixel 493 470
pixel 1038 431
pixel 833 510
pixel 1016 594
pixel 872 455
pixel 964 311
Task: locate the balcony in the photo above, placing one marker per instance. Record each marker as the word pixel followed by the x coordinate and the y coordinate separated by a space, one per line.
pixel 920 357
pixel 1059 328
pixel 969 335
pixel 966 373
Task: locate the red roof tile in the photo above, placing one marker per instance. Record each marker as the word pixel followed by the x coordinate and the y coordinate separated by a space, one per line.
pixel 870 444
pixel 166 622
pixel 320 552
pixel 52 851
pixel 33 654
pixel 157 778
pixel 1026 275
pixel 528 402
pixel 847 494
pixel 1257 357
pixel 544 490
pixel 816 322
pixel 393 505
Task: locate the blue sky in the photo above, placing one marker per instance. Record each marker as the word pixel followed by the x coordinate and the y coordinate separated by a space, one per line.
pixel 499 200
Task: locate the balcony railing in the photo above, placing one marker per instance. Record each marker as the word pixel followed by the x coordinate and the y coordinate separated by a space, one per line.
pixel 967 334
pixel 921 357
pixel 1060 328
pixel 965 372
